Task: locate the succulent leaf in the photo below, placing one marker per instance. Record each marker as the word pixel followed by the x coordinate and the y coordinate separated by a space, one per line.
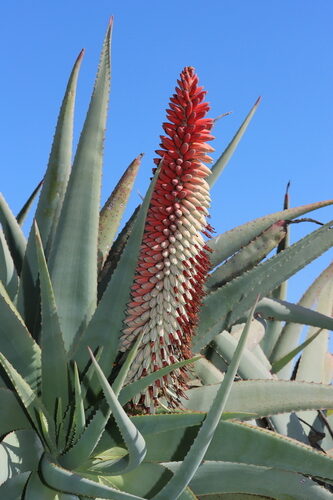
pixel 51 199
pixel 197 452
pixel 288 339
pixel 248 256
pixel 37 489
pixel 221 163
pixel 226 477
pixel 14 487
pixel 15 238
pixel 105 326
pixel 132 389
pixel 113 209
pixel 75 243
pixel 227 304
pixel 264 398
pixel 25 209
pixel 226 244
pixel 132 438
pixel 12 415
pixel 8 274
pixel 33 405
pixel 16 343
pixel 64 480
pixel 51 339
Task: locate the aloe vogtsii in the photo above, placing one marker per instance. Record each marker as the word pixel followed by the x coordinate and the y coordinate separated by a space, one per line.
pixel 136 417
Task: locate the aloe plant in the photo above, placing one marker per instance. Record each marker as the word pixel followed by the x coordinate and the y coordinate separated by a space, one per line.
pixel 139 366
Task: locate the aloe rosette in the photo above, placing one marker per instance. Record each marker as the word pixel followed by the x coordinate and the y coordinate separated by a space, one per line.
pixel 138 366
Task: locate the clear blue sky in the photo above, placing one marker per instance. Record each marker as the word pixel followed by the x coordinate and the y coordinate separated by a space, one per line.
pixel 279 49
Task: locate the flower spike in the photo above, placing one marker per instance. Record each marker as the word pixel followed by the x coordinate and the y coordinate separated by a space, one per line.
pixel 173 263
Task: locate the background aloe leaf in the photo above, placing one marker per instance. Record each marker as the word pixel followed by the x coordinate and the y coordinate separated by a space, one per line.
pixel 25 209
pixel 13 233
pixel 64 480
pixel 207 372
pixel 219 310
pixel 115 253
pixel 106 325
pixel 197 452
pixel 281 363
pixel 226 244
pixel 234 442
pixel 223 477
pixel 53 387
pixel 312 363
pixel 285 311
pixel 273 327
pixel 288 339
pixel 112 211
pixel 251 368
pixel 130 390
pixel 13 488
pixel 221 163
pixel 264 397
pixel 12 415
pixel 75 243
pixel 248 256
pixel 16 343
pixel 8 274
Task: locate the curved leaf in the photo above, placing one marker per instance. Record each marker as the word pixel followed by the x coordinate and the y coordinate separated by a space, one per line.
pixel 13 233
pixel 227 304
pixel 226 244
pixel 8 274
pixel 64 480
pixel 16 343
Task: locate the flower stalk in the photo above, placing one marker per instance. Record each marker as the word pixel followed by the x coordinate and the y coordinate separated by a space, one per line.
pixel 173 263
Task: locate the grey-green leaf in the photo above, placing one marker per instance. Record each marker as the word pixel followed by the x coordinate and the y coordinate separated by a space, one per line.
pixel 196 453
pixel 226 244
pixel 8 274
pixel 54 359
pixel 264 397
pixel 221 163
pixel 13 233
pixel 25 209
pixel 65 480
pixel 227 304
pixel 16 343
pixel 73 256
